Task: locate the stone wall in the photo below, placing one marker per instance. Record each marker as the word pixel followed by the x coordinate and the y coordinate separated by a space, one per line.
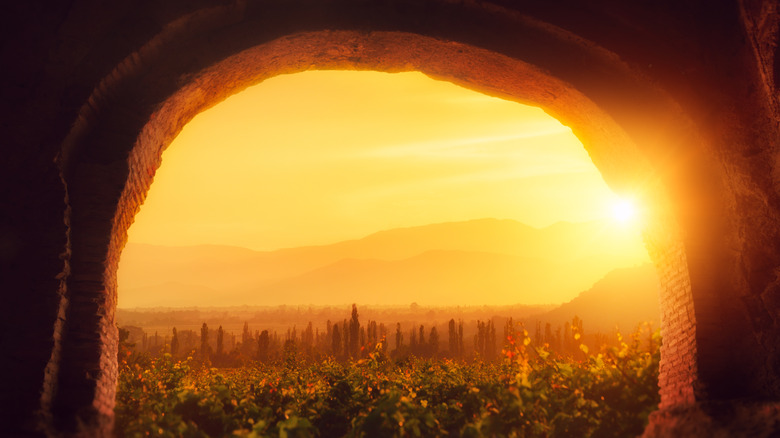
pixel 678 368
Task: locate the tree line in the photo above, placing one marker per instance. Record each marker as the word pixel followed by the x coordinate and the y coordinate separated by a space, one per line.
pixel 350 340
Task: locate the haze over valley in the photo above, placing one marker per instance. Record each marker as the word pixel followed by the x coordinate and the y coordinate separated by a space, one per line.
pixel 478 262
pixel 302 192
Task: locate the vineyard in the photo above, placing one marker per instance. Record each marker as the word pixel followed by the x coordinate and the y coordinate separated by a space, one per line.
pixel 528 392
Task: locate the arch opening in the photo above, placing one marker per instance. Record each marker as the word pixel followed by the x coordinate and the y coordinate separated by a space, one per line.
pixel 317 158
pixel 625 166
pixel 232 327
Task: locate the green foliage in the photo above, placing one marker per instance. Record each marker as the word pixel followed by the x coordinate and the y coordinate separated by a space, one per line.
pixel 530 393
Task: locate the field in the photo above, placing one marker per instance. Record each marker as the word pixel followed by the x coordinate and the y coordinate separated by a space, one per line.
pixel 528 392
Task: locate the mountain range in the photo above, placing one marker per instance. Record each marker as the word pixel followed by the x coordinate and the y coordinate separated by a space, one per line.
pixel 622 299
pixel 484 261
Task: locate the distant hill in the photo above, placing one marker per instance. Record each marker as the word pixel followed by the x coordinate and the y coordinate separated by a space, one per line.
pixel 465 277
pixel 621 299
pixel 485 261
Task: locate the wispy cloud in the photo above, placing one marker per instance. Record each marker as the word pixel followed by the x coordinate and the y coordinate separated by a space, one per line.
pixel 463 147
pixel 486 178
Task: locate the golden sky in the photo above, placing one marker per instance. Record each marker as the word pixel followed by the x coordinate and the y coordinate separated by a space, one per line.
pixel 323 156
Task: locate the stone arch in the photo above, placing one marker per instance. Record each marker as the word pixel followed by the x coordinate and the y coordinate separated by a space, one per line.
pixel 644 130
pixel 616 154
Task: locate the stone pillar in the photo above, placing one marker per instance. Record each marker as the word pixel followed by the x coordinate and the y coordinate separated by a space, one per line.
pixel 33 266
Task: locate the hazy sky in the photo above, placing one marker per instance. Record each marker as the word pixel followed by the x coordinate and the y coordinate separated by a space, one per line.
pixel 322 156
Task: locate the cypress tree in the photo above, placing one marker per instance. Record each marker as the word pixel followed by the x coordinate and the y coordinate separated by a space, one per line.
pixel 246 338
pixel 399 338
pixel 452 337
pixel 383 337
pixel 490 343
pixel 422 347
pixel 175 343
pixel 345 338
pixel 204 341
pixel 354 332
pixel 433 342
pixel 263 344
pixel 336 341
pixel 220 342
pixel 461 350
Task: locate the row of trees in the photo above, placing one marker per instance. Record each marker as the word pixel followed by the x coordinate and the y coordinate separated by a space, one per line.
pixel 350 340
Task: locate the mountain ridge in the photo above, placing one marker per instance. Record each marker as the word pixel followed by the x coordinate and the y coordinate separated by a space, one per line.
pixel 235 271
pixel 619 300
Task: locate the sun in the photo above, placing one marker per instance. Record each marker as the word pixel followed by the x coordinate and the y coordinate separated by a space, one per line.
pixel 624 211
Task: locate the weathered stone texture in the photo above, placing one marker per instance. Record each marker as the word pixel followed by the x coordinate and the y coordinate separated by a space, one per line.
pixel 676 102
pixel 678 368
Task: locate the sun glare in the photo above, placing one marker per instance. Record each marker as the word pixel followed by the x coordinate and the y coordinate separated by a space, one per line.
pixel 624 211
